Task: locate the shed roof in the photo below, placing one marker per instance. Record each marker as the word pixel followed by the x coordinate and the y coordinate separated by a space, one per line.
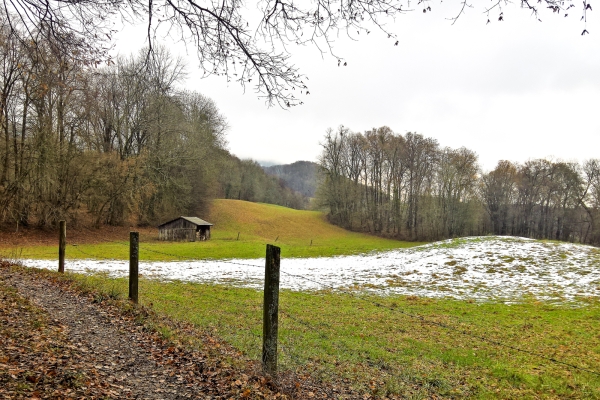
pixel 194 220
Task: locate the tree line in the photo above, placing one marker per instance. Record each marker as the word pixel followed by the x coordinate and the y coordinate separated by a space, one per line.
pixel 113 144
pixel 408 186
pixel 248 180
pixel 301 176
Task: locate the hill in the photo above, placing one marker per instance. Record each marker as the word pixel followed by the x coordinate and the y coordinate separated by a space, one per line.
pixel 300 233
pixel 300 176
pixel 362 343
pixel 489 268
pixel 247 180
pixel 241 230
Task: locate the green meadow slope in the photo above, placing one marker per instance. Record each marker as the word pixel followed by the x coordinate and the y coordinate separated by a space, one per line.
pixel 357 342
pixel 298 233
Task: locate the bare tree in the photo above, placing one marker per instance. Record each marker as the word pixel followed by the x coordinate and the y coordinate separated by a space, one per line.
pixel 252 48
pixel 456 182
pixel 498 190
pixel 407 187
pixel 420 158
pixel 336 183
pixel 11 71
pixel 590 200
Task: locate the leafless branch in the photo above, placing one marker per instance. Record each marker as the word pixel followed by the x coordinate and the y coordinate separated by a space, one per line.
pixel 229 40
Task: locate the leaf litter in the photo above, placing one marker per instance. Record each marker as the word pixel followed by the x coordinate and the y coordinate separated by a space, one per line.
pixel 58 342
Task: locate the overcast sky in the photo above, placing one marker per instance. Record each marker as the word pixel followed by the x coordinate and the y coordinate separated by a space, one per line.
pixel 515 90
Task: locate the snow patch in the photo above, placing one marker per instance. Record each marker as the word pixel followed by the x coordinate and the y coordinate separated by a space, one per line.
pixel 494 268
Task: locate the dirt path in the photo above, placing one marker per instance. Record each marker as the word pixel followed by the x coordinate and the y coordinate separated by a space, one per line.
pixel 95 351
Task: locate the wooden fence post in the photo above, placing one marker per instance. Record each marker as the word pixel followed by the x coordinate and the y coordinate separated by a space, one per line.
pixel 271 309
pixel 134 251
pixel 62 244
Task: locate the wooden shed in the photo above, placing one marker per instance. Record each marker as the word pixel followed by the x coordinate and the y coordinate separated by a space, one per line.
pixel 185 229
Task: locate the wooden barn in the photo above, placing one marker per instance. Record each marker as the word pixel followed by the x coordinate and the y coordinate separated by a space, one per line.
pixel 185 229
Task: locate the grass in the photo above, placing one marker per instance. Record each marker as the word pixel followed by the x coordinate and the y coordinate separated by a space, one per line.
pixel 377 346
pixel 298 233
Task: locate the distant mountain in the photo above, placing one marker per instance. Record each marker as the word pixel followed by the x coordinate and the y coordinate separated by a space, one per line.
pixel 264 163
pixel 300 176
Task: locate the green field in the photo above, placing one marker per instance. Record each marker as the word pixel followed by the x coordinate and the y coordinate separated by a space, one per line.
pixel 381 346
pixel 394 346
pixel 298 233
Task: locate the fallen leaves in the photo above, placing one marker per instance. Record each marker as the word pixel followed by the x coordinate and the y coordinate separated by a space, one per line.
pixel 34 360
pixel 72 345
pixel 74 349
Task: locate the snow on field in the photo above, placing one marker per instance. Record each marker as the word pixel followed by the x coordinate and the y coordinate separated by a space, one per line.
pixel 479 268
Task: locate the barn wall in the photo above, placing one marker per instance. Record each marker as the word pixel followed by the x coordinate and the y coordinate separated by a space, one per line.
pixel 183 230
pixel 179 224
pixel 178 234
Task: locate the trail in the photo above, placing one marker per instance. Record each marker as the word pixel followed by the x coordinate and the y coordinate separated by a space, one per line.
pixel 105 353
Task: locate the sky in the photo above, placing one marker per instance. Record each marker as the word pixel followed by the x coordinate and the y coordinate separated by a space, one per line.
pixel 513 90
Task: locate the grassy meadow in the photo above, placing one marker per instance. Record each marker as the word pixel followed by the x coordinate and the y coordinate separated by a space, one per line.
pixel 298 233
pixel 383 346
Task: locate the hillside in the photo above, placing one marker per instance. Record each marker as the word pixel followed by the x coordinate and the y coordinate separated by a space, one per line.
pixel 489 268
pixel 268 221
pixel 300 176
pixel 513 334
pixel 469 318
pixel 247 180
pixel 299 233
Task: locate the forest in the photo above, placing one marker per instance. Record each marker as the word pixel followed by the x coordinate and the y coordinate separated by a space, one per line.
pixel 120 143
pixel 300 176
pixel 409 187
pixel 116 143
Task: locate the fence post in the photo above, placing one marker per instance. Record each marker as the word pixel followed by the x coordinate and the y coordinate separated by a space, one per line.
pixel 270 309
pixel 134 242
pixel 62 244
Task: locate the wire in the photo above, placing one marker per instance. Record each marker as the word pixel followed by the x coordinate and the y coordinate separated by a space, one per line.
pixel 88 254
pixel 177 256
pixel 454 329
pixel 378 304
pixel 54 253
pixel 196 259
pixel 242 264
pixel 164 254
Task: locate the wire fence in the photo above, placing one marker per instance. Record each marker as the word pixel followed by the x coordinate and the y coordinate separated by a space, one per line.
pixel 455 329
pixel 326 333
